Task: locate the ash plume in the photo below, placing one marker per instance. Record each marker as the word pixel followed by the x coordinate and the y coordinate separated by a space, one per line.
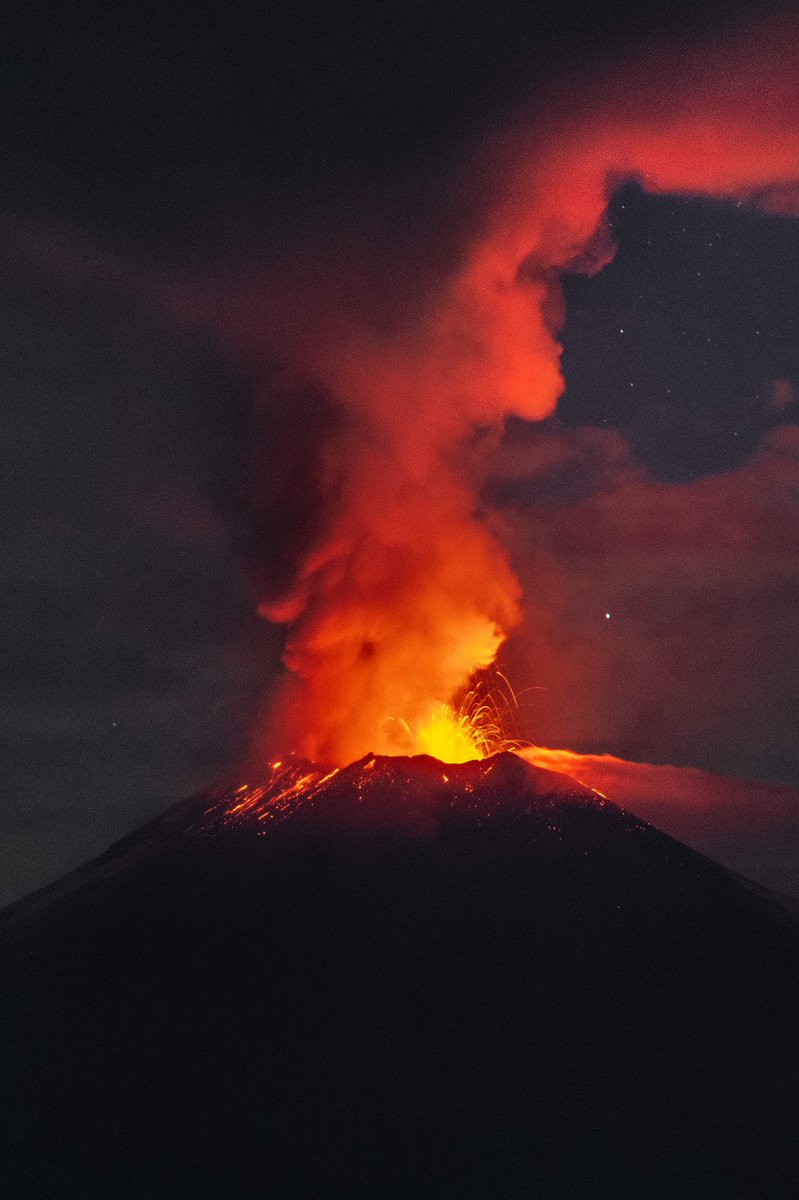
pixel 401 588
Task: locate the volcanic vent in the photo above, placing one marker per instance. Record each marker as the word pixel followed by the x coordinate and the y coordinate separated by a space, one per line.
pixel 402 978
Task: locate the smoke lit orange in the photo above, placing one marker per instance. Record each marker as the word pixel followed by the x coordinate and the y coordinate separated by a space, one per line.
pixel 408 590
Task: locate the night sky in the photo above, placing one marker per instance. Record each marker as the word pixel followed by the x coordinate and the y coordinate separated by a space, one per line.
pixel 653 521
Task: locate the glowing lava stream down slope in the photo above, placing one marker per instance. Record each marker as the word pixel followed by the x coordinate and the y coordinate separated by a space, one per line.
pixel 393 791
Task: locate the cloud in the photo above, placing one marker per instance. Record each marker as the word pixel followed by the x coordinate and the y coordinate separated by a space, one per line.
pixel 132 662
pixel 401 588
pixel 697 660
pixel 748 826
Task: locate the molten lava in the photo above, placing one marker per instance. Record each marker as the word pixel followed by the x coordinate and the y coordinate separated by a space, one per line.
pixel 463 730
pixel 450 737
pixel 410 792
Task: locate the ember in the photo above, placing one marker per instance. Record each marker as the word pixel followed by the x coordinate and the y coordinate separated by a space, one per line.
pixel 405 790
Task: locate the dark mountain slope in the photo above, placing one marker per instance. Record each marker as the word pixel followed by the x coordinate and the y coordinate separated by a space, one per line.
pixel 400 980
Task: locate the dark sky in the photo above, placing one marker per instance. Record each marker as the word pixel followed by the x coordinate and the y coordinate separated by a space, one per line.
pixel 140 147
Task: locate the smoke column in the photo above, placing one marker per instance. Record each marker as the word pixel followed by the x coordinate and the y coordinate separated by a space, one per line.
pixel 406 589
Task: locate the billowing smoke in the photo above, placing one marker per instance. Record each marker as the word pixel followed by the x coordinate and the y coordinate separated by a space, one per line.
pixel 402 589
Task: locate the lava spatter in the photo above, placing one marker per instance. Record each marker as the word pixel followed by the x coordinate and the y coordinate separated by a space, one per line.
pixel 394 789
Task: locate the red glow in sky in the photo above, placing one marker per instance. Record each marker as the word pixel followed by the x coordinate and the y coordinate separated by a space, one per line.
pixel 409 589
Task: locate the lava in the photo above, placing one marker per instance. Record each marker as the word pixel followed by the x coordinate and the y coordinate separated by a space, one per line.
pixel 288 785
pixel 741 823
pixel 412 792
pixel 470 727
pixel 450 737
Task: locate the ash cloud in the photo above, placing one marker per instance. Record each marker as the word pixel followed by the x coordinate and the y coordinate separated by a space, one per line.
pixel 404 588
pixel 388 353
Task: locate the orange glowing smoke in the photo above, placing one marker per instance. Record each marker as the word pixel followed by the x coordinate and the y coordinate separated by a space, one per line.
pixel 408 589
pixel 748 825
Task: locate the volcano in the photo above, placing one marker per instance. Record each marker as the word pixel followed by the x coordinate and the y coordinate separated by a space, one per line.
pixel 400 979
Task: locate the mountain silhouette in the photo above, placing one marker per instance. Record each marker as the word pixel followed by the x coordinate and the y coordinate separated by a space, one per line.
pixel 403 979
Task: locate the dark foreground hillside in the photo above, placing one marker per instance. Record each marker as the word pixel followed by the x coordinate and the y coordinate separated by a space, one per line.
pixel 403 981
